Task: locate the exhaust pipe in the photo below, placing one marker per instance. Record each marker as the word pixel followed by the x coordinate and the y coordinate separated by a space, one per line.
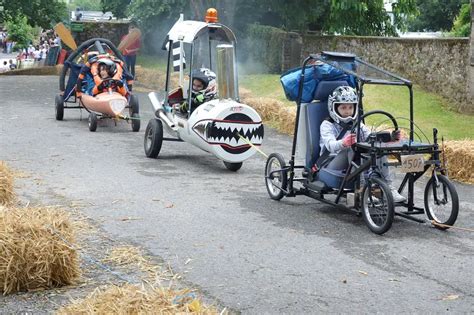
pixel 160 111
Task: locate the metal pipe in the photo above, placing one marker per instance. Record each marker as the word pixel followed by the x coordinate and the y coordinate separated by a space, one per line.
pixel 159 111
pixel 225 72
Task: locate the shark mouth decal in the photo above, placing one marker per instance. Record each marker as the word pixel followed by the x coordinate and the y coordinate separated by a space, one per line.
pixel 226 132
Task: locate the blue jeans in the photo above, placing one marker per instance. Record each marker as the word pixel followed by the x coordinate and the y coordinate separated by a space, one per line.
pixel 130 61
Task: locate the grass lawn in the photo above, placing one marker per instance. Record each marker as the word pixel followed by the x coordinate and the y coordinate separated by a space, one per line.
pixel 429 109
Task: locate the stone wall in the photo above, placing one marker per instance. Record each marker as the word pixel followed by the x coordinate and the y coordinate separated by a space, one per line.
pixel 113 31
pixel 439 65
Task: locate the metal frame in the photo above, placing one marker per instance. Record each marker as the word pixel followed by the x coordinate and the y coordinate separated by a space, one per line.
pixel 373 152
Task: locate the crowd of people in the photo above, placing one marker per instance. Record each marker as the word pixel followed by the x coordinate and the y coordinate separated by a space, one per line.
pixel 36 51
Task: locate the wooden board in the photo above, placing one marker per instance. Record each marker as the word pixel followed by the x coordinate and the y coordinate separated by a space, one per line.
pixel 65 35
pixel 129 39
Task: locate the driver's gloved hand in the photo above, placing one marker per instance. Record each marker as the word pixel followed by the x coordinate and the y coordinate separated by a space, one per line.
pixel 349 140
pixel 101 86
pixel 184 107
pixel 119 83
pixel 199 98
pixel 396 135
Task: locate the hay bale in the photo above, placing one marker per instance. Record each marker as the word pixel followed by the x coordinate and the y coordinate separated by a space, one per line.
pixel 133 299
pixel 7 195
pixel 274 112
pixel 32 255
pixel 460 160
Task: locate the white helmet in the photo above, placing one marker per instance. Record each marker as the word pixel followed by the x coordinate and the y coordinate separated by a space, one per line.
pixel 343 95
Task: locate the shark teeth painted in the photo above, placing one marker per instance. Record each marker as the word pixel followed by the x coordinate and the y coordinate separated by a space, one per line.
pixel 226 133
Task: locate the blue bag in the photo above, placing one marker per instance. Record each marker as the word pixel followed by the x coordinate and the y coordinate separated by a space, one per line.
pixel 312 76
pixel 291 79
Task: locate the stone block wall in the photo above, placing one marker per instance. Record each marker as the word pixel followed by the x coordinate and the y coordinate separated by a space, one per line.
pixel 111 30
pixel 439 65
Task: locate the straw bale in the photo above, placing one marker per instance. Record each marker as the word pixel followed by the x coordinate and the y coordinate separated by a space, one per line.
pixel 7 195
pixel 134 299
pixel 36 249
pixel 274 112
pixel 460 160
pixel 132 257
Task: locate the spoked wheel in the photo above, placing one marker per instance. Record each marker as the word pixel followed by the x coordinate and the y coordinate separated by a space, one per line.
pixel 153 138
pixel 92 121
pixel 276 178
pixel 59 107
pixel 234 167
pixel 377 205
pixel 441 201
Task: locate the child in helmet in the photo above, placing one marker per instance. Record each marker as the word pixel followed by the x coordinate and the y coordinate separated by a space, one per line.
pixel 343 111
pixel 204 88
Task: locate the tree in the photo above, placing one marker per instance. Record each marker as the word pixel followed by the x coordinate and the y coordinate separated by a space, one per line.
pixel 435 15
pixel 462 23
pixel 43 13
pixel 86 5
pixel 117 7
pixel 368 17
pixel 19 31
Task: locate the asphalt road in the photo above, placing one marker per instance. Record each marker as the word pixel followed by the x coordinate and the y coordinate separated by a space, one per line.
pixel 220 229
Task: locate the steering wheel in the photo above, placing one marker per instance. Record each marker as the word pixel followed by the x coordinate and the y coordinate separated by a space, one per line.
pixel 109 83
pixel 373 112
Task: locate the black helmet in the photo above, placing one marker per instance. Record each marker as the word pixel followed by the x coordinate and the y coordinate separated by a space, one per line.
pixel 208 79
pixel 110 66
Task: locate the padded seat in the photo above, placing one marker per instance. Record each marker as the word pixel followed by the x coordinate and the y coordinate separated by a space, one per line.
pixel 313 114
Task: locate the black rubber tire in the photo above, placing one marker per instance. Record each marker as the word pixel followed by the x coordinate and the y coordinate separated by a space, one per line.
pixel 445 187
pixel 135 122
pixel 373 219
pixel 153 138
pixel 59 107
pixel 275 190
pixel 234 167
pixel 134 105
pixel 92 121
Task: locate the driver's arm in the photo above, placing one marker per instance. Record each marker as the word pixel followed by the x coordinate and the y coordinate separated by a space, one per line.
pixel 328 134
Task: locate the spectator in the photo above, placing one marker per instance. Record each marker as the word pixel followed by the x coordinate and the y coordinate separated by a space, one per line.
pixel 130 53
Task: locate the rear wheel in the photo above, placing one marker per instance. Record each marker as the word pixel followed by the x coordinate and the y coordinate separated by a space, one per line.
pixel 234 167
pixel 377 205
pixel 441 201
pixel 59 107
pixel 92 121
pixel 153 138
pixel 134 106
pixel 276 179
pixel 135 122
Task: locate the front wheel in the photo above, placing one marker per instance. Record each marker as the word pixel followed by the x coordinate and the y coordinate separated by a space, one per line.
pixel 59 107
pixel 153 138
pixel 234 167
pixel 92 121
pixel 377 205
pixel 276 179
pixel 441 201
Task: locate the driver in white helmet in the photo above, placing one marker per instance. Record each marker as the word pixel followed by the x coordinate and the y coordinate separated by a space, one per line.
pixel 204 88
pixel 343 111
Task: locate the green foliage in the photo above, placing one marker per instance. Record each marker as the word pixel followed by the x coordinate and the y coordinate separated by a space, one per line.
pixel 435 15
pixel 368 17
pixel 117 7
pixel 86 5
pixel 462 23
pixel 19 31
pixel 264 44
pixel 43 13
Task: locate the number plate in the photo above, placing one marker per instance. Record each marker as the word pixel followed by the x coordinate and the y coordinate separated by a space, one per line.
pixel 412 163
